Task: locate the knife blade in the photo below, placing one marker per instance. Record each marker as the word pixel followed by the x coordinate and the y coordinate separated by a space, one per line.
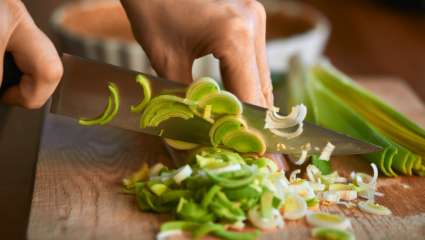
pixel 83 93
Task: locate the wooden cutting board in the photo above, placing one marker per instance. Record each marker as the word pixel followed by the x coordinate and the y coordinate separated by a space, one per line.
pixel 77 188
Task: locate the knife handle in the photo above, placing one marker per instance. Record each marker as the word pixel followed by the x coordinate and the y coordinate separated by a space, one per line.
pixel 11 73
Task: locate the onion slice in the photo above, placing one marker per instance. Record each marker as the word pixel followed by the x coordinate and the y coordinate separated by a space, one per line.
pixel 331 233
pixel 263 223
pixel 170 234
pixel 293 175
pixel 182 173
pixel 228 168
pixel 327 152
pixel 295 207
pixel 328 220
pixel 154 171
pixel 274 121
pixel 373 208
pixel 302 158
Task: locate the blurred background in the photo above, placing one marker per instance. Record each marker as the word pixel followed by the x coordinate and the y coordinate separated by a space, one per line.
pixel 381 39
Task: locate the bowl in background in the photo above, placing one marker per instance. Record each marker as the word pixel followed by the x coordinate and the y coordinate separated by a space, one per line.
pixel 100 30
pixel 294 28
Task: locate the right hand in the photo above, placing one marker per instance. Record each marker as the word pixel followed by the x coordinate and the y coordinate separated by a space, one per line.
pixel 34 54
pixel 174 33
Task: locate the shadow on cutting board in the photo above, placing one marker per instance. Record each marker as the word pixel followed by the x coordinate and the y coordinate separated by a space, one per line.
pixel 20 131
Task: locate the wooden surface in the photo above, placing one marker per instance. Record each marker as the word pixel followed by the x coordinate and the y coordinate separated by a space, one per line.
pixel 77 189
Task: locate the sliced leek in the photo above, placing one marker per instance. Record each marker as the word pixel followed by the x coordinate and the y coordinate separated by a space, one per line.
pixel 328 220
pixel 110 111
pixel 325 233
pixel 374 208
pixel 295 207
pixel 147 93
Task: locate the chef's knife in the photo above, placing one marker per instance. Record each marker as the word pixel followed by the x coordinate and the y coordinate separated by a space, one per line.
pixel 83 93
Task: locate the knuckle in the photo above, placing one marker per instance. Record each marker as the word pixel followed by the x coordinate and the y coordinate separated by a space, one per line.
pixel 259 10
pixel 50 71
pixel 34 95
pixel 33 102
pixel 238 31
pixel 46 77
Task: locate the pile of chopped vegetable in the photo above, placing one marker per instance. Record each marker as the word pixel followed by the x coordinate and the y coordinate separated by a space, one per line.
pixel 219 192
pixel 336 102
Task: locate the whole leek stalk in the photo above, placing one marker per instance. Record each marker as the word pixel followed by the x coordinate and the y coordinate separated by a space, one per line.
pixel 336 102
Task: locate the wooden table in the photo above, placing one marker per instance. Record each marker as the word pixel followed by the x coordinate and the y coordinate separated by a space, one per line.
pixel 77 189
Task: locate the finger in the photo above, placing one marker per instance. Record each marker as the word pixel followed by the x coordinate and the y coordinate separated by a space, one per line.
pixel 10 13
pixel 39 62
pixel 238 64
pixel 171 66
pixel 261 53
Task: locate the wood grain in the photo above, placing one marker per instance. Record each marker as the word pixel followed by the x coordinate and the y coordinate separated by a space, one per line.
pixel 77 189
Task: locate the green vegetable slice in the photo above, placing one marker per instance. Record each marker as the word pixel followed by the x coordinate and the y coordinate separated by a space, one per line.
pixel 147 93
pixel 266 204
pixel 175 195
pixel 374 208
pixel 205 229
pixel 202 88
pixel 312 202
pixel 158 188
pixel 222 103
pixel 164 107
pixel 191 211
pixel 323 165
pixel 175 110
pixel 244 141
pixel 210 195
pixel 179 225
pixel 325 233
pixel 229 235
pixel 231 182
pixel 226 209
pixel 224 125
pixel 180 145
pixel 110 110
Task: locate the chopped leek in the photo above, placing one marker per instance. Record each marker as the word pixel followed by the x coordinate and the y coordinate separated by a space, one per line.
pixel 180 145
pixel 295 207
pixel 274 122
pixel 147 93
pixel 220 190
pixel 328 220
pixel 374 208
pixel 202 88
pixel 164 107
pixel 326 233
pixel 223 126
pixel 222 102
pixel 110 110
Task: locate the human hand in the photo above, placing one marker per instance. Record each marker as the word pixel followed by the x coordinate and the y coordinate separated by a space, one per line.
pixel 34 54
pixel 174 33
